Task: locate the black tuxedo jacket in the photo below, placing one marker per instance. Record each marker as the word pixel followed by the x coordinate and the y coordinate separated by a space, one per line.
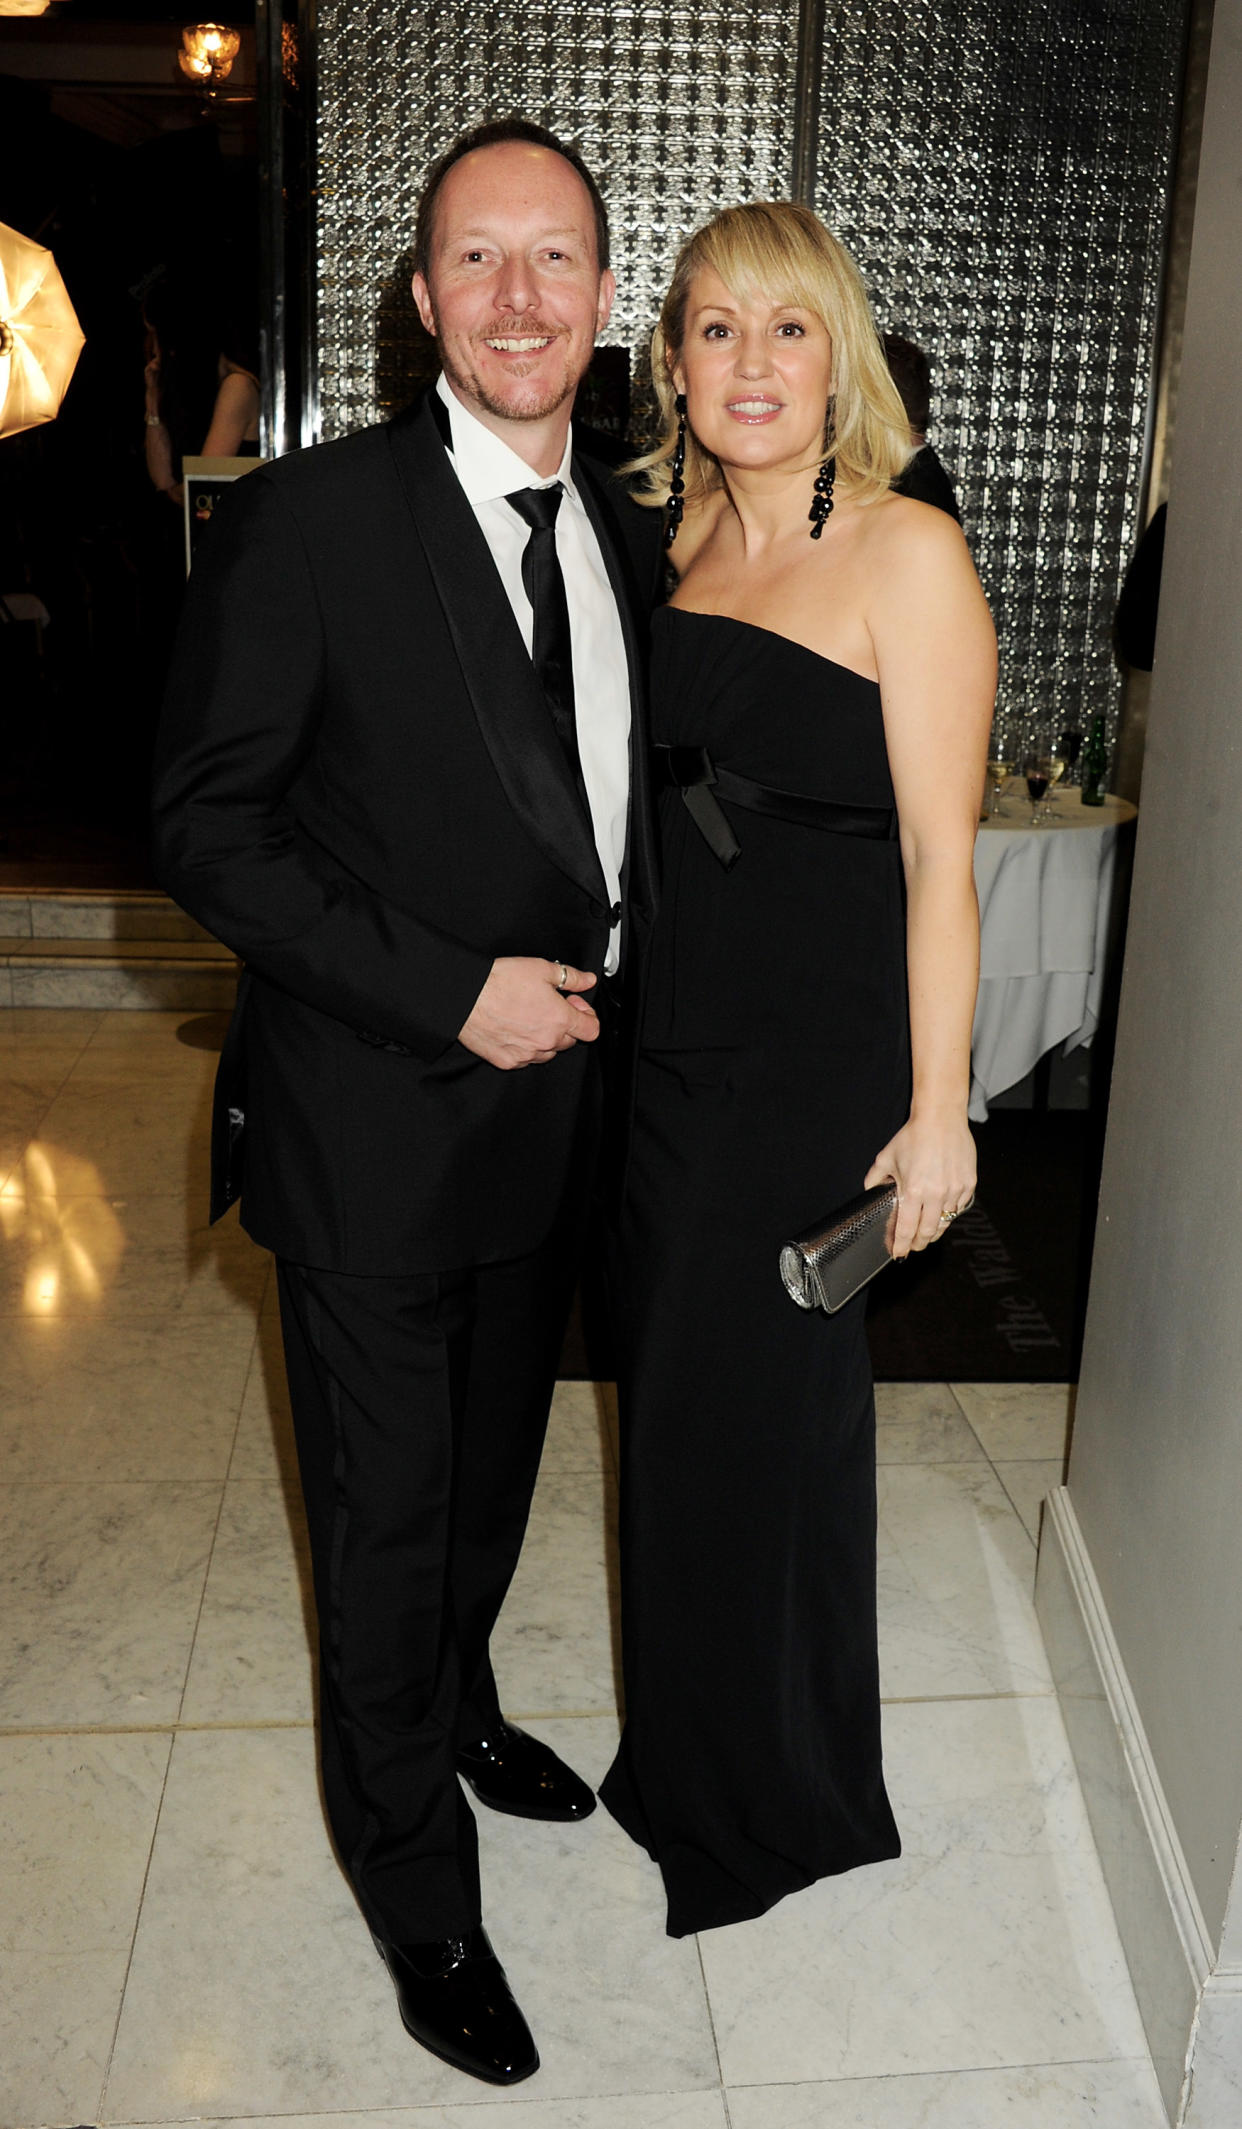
pixel 359 789
pixel 925 479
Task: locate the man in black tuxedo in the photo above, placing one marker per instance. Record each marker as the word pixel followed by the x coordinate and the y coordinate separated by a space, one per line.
pixel 401 774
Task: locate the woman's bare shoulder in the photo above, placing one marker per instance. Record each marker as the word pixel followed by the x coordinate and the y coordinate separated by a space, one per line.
pixel 900 527
pixel 920 578
pixel 237 388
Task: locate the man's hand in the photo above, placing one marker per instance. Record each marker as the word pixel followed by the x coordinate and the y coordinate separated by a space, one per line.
pixel 521 1018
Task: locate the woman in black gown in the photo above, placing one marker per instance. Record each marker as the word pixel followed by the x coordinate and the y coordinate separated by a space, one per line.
pixel 806 1032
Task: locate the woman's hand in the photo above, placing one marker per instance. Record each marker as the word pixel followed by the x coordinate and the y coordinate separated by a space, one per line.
pixel 933 1166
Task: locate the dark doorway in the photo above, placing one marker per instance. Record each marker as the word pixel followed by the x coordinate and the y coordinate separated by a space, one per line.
pixel 146 192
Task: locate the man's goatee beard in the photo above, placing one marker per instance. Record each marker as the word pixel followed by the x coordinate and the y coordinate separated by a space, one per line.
pixel 473 387
pixel 539 412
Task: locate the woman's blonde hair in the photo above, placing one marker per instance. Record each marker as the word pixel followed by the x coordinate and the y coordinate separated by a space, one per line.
pixel 779 252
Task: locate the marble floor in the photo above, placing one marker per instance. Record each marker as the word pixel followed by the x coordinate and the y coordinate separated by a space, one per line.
pixel 177 1942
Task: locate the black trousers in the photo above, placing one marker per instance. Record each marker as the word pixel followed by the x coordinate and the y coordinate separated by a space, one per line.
pixel 420 1406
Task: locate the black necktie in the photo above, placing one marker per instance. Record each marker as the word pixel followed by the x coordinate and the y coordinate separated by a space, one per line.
pixel 551 653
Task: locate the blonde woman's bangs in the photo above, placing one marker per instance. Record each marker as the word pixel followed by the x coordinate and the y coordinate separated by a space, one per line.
pixel 756 268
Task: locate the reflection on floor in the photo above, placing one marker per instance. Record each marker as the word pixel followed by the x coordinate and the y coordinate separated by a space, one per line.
pixel 179 1943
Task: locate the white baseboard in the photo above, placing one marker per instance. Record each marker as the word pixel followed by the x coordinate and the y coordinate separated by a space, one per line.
pixel 1212 2095
pixel 1162 1929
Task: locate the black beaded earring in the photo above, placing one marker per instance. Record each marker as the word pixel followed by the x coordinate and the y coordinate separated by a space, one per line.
pixel 677 483
pixel 821 501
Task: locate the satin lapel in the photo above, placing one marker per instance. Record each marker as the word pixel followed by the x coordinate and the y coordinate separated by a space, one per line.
pixel 508 701
pixel 634 613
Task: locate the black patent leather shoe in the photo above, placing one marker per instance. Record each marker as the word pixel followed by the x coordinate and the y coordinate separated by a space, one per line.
pixel 515 1773
pixel 455 2000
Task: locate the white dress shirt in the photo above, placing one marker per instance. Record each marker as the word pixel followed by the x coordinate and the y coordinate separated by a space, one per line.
pixel 488 471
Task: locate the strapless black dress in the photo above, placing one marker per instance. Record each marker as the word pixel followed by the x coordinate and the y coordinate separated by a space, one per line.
pixel 774 1066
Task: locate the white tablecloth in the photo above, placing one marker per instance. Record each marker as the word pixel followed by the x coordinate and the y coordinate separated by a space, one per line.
pixel 1044 896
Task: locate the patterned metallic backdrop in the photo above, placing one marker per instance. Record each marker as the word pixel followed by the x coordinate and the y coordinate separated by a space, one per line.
pixel 1000 172
pixel 677 107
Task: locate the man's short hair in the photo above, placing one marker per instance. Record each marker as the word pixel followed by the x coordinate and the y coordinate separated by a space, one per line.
pixel 911 373
pixel 493 134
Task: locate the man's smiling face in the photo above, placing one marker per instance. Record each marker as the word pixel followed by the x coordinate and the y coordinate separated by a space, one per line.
pixel 513 290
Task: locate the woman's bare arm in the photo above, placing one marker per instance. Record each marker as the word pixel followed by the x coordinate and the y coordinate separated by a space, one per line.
pixel 158 442
pixel 936 658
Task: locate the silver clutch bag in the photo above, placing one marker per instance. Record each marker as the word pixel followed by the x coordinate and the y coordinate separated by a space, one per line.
pixel 826 1266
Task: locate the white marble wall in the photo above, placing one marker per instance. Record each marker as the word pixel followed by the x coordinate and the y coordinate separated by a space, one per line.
pixel 1140 1585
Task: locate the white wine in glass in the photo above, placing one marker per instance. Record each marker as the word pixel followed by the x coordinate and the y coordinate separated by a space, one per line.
pixel 1000 769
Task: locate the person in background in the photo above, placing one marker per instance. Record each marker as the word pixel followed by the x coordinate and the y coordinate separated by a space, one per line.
pixel 924 478
pixel 1139 604
pixel 233 431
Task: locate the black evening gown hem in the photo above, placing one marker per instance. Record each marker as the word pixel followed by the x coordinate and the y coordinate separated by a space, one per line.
pixel 703 1895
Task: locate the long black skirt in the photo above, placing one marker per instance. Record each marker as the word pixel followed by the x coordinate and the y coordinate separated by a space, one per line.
pixel 750 1762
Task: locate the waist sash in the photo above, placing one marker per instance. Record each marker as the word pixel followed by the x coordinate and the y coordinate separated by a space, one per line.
pixel 692 771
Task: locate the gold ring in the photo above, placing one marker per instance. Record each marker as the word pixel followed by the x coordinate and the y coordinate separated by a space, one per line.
pixel 563 978
pixel 945 1218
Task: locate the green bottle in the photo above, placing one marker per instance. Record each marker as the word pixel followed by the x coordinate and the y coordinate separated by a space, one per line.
pixel 1094 765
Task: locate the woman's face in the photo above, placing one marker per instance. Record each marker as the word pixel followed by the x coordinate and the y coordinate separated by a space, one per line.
pixel 757 377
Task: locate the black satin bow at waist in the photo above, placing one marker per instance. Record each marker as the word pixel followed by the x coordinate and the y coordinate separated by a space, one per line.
pixel 702 784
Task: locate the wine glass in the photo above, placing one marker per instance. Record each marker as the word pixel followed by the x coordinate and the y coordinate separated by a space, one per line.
pixel 1000 769
pixel 1036 768
pixel 1058 763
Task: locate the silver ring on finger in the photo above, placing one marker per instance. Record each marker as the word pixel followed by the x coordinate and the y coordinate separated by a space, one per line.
pixel 562 977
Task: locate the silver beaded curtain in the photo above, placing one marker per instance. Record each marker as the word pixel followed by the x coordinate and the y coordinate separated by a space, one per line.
pixel 999 171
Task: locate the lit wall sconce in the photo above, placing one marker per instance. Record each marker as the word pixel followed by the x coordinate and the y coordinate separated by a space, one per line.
pixel 207 53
